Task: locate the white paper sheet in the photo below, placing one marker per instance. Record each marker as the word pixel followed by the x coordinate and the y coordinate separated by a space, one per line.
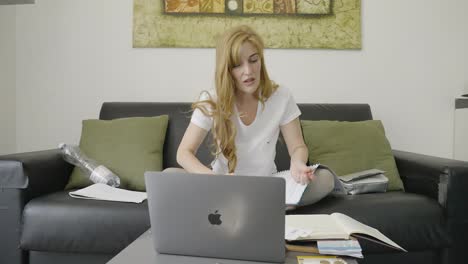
pixel 105 192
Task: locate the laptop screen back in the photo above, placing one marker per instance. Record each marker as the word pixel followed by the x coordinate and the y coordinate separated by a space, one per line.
pixel 234 217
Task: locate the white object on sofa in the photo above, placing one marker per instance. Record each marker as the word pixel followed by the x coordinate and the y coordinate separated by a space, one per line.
pixel 100 191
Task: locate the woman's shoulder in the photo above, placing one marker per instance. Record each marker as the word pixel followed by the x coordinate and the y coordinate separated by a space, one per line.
pixel 282 92
pixel 207 95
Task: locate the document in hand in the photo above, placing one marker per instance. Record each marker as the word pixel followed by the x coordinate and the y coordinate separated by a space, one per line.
pixel 100 191
pixel 294 190
pixel 334 226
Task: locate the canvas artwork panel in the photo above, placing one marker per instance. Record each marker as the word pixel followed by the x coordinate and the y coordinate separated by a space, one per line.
pixel 330 24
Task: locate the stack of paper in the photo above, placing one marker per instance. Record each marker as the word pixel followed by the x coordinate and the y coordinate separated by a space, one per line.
pixel 340 247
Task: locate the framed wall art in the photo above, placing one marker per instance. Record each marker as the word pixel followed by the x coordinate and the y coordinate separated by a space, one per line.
pixel 306 24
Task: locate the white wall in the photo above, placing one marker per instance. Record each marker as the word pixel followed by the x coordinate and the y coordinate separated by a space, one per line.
pixel 7 80
pixel 72 55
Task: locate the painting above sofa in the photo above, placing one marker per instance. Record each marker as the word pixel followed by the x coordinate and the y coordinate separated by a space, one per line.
pixel 300 24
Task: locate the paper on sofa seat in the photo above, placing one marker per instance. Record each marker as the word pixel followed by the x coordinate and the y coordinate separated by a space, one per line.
pixel 100 191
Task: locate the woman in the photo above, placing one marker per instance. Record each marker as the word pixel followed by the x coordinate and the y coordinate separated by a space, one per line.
pixel 245 114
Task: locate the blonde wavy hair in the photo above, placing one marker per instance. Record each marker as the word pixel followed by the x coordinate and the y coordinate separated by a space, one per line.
pixel 221 108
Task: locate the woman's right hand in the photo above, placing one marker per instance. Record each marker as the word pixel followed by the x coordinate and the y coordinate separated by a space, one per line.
pixel 300 172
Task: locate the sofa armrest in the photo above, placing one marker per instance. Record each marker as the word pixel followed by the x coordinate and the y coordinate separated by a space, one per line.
pixel 38 172
pixel 445 180
pixel 23 177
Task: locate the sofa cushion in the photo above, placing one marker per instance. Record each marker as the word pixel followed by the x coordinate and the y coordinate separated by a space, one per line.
pixel 348 147
pixel 59 223
pixel 126 146
pixel 413 221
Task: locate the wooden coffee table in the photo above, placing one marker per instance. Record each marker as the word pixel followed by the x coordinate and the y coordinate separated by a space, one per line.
pixel 142 251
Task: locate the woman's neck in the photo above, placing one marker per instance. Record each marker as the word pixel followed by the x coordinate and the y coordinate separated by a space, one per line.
pixel 243 99
pixel 247 106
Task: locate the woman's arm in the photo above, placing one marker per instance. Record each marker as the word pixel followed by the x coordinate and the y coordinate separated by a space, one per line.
pixel 189 145
pixel 298 151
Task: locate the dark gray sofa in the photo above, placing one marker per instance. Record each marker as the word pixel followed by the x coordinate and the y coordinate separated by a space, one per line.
pixel 40 223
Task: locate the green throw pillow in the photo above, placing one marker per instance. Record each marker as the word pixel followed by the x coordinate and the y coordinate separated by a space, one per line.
pixel 348 147
pixel 126 146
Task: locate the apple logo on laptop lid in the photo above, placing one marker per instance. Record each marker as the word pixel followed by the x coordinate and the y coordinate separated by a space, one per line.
pixel 215 218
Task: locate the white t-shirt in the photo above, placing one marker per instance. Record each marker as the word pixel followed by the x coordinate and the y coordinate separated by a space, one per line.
pixel 255 143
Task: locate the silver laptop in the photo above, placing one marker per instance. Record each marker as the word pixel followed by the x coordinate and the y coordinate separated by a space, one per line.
pixel 231 217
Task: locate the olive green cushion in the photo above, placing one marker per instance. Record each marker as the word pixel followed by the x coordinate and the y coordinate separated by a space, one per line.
pixel 348 147
pixel 126 146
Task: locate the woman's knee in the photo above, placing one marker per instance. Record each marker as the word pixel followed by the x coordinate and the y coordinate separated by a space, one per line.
pixel 325 180
pixel 319 187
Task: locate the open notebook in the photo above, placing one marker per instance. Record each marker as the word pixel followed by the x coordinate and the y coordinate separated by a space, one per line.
pixel 100 191
pixel 334 226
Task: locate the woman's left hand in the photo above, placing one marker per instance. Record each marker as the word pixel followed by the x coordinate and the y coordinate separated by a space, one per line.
pixel 301 173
